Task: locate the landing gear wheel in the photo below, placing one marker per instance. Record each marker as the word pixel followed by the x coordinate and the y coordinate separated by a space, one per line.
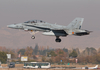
pixel 58 40
pixel 33 37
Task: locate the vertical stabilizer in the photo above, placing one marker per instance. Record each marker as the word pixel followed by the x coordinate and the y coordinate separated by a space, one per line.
pixel 76 23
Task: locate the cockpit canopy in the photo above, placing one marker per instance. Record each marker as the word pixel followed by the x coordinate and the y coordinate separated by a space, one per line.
pixel 35 21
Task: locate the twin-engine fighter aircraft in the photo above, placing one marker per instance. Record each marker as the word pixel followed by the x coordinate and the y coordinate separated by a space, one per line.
pixel 74 28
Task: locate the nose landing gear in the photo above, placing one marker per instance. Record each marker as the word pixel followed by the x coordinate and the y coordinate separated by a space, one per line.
pixel 33 37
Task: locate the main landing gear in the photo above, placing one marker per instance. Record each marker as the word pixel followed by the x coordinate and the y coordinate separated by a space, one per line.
pixel 33 37
pixel 57 39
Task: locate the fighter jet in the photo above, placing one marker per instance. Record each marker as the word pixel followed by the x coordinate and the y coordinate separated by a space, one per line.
pixel 34 26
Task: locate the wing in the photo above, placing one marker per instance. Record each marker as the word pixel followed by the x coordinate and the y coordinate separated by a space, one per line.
pixel 56 33
pixel 59 32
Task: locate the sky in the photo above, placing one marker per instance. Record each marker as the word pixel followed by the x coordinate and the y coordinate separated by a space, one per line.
pixel 53 11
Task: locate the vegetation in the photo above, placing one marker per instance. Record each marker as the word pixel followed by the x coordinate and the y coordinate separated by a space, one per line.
pixel 3 57
pixel 43 59
pixel 51 54
pixel 21 51
pixel 60 56
pixel 73 54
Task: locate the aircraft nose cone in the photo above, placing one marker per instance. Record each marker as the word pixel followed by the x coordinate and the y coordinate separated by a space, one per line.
pixel 11 26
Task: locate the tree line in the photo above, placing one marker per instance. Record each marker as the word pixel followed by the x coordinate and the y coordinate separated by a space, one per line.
pixel 88 55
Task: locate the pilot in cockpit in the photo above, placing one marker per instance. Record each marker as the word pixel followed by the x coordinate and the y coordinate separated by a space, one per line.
pixel 35 21
pixel 41 21
pixel 32 22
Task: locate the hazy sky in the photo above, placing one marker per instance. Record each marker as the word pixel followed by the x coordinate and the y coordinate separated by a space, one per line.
pixel 53 11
